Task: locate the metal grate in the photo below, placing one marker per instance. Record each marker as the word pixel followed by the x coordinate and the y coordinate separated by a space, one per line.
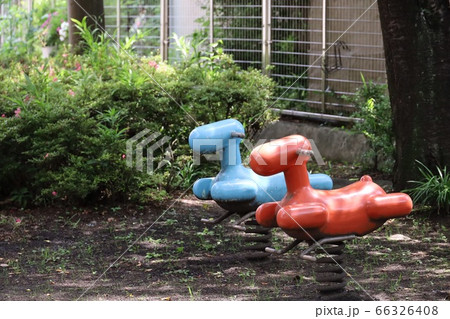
pixel 290 56
pixel 299 32
pixel 187 19
pixel 12 29
pixel 135 16
pixel 355 49
pixel 238 24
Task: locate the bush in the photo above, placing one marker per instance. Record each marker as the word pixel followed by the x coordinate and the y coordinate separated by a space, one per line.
pixel 53 148
pixel 65 121
pixel 374 107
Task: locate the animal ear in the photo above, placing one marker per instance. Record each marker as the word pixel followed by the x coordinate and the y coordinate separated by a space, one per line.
pixel 278 155
pixel 237 134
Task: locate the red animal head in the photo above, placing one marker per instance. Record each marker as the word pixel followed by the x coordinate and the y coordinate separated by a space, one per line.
pixel 279 155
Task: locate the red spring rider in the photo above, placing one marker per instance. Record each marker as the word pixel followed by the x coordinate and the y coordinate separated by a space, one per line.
pixel 321 216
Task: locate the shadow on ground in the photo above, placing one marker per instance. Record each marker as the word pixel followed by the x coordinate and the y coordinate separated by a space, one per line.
pixel 70 254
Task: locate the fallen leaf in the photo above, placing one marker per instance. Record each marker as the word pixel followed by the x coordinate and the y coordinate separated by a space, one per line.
pixel 166 299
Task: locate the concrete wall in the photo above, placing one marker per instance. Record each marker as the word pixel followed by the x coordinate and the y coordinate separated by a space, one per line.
pixel 333 143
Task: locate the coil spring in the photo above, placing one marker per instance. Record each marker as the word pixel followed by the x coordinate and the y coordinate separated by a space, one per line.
pixel 329 271
pixel 257 238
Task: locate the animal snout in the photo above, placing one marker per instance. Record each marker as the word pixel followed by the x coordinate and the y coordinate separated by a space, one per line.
pixel 279 155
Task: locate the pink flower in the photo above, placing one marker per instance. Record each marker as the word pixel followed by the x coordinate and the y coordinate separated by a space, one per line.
pixel 3 115
pixel 47 22
pixel 57 29
pixel 65 55
pixel 46 155
pixel 54 193
pixel 153 64
pixel 52 72
pixel 17 112
pixel 18 220
pixel 77 67
pixel 123 156
pixel 71 92
pixel 55 79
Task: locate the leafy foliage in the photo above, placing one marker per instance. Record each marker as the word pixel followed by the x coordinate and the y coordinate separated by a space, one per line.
pixel 65 121
pixel 25 32
pixel 17 32
pixel 374 108
pixel 433 189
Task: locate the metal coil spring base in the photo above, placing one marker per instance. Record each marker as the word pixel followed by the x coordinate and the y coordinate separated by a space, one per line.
pixel 256 239
pixel 329 273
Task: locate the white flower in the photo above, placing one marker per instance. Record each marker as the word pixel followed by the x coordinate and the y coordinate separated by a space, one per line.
pixel 64 27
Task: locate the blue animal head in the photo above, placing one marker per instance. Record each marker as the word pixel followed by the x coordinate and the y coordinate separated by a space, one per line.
pixel 211 138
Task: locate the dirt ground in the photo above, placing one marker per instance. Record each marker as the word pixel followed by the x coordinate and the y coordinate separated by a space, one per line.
pixel 81 253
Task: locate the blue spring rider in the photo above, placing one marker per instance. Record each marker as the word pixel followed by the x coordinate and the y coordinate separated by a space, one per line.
pixel 237 188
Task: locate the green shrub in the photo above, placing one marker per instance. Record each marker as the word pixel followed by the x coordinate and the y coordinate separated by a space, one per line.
pixel 65 122
pixel 58 150
pixel 433 189
pixel 373 106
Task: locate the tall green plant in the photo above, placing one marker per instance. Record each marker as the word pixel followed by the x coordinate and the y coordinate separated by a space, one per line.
pixel 433 189
pixel 373 106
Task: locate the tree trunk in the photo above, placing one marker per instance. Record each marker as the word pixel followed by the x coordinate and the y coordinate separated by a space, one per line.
pixel 78 9
pixel 416 39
